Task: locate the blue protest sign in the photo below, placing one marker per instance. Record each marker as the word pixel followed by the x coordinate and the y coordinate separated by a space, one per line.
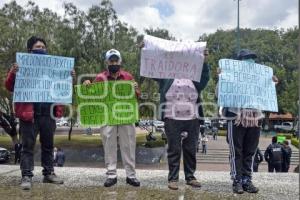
pixel 43 78
pixel 246 85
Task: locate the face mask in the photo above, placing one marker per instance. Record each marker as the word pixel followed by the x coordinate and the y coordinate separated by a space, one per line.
pixel 39 51
pixel 113 68
pixel 249 60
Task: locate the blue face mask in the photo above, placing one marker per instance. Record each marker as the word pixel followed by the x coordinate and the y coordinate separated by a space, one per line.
pixel 251 60
pixel 39 51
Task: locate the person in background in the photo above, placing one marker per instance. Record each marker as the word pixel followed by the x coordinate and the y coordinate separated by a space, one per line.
pixel 204 141
pixel 35 118
pixel 258 158
pixel 18 148
pixel 287 153
pixel 125 134
pixel 60 157
pixel 215 132
pixel 274 156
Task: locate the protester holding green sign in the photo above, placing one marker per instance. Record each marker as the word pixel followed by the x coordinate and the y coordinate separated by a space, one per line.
pixel 107 103
pixel 36 116
pixel 123 130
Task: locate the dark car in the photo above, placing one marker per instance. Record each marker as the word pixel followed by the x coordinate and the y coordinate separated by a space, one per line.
pixel 4 155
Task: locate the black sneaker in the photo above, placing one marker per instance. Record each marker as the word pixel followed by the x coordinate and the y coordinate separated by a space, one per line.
pixel 52 178
pixel 133 181
pixel 249 187
pixel 110 182
pixel 26 183
pixel 237 187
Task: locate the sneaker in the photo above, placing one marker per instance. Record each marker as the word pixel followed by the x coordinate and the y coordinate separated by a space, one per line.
pixel 110 182
pixel 173 185
pixel 52 178
pixel 249 187
pixel 133 181
pixel 194 183
pixel 237 187
pixel 26 183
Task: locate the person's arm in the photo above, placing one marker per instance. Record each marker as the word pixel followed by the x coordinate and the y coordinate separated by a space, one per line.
pixel 204 76
pixel 11 77
pixel 137 89
pixel 275 79
pixel 73 74
pixel 267 154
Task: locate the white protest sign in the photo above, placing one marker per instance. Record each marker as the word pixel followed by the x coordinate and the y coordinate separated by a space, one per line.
pixel 171 59
pixel 43 78
pixel 246 85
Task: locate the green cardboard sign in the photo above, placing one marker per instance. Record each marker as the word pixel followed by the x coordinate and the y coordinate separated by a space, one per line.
pixel 107 103
pixel 280 139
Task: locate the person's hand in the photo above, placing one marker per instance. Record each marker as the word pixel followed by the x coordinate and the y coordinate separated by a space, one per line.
pixel 219 70
pixel 73 74
pixel 87 82
pixel 135 85
pixel 14 68
pixel 206 54
pixel 141 45
pixel 275 80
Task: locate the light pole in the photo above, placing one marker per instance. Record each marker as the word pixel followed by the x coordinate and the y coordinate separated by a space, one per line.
pixel 238 27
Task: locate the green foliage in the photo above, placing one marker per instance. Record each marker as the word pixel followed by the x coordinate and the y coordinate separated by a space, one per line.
pixel 295 142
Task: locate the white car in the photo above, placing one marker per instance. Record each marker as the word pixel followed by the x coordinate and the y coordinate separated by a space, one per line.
pixel 62 123
pixel 285 126
pixel 159 125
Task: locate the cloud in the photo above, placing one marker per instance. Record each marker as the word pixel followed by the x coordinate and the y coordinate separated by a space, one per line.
pixel 142 18
pixel 189 19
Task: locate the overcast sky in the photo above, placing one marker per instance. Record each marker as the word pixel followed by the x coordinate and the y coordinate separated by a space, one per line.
pixel 188 19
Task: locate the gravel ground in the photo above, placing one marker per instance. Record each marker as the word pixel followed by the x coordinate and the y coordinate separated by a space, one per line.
pixel 86 183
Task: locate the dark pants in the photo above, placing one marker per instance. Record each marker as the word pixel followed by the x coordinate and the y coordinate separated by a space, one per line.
pixel 255 167
pixel 45 126
pixel 243 143
pixel 204 148
pixel 173 129
pixel 275 166
pixel 285 166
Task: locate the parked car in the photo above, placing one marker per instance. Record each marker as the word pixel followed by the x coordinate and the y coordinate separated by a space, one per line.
pixel 159 125
pixel 4 155
pixel 284 126
pixel 62 123
pixel 222 124
pixel 207 122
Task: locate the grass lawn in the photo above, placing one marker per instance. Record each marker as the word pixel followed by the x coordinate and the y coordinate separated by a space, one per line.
pixel 86 141
pixel 223 133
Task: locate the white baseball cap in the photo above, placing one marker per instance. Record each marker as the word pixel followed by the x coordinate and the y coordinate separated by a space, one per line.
pixel 113 52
